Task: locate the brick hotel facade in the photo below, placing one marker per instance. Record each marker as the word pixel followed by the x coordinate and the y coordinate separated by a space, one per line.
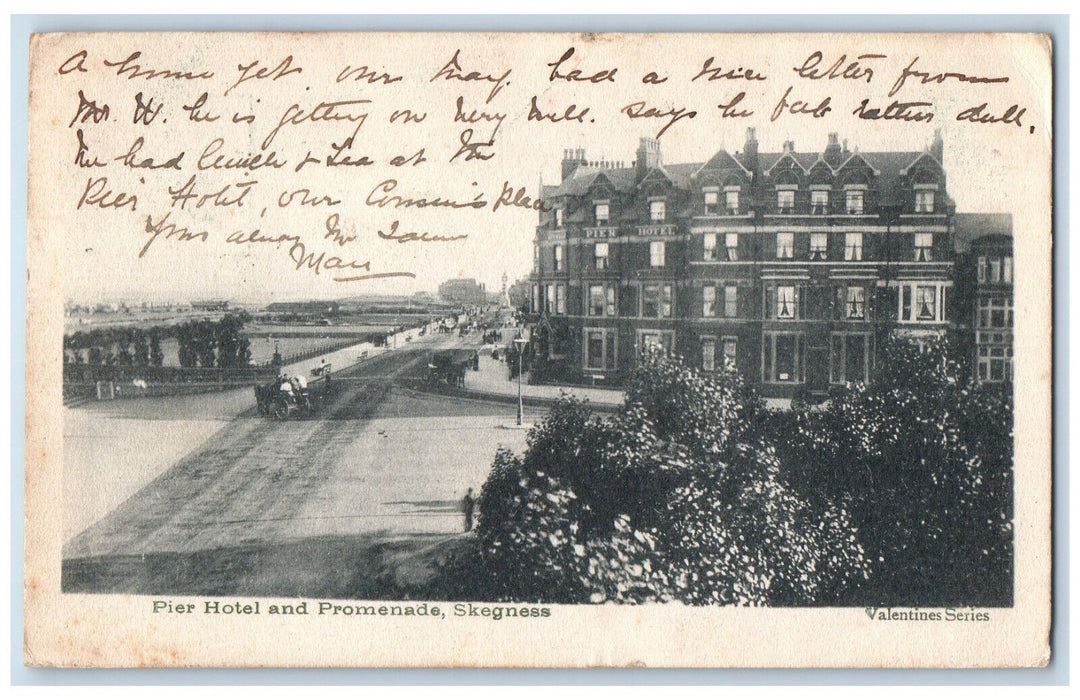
pixel 794 266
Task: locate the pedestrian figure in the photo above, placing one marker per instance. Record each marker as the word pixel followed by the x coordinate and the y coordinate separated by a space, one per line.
pixel 468 504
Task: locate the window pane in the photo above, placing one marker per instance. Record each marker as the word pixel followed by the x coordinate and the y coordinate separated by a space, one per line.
pixel 710 198
pixel 601 253
pixel 785 358
pixel 708 301
pixel 819 244
pixel 785 302
pixel 594 356
pixel 596 300
pixel 708 354
pixel 656 253
pixel 995 270
pixel 730 345
pixel 853 246
pixel 819 201
pixel 855 359
pixel 926 303
pixel 854 202
pixel 731 301
pixel 602 211
pixel 731 242
pixel 1007 269
pixel 709 242
pixel 855 305
pixel 731 201
pixel 785 245
pixel 657 211
pixel 836 359
pixel 650 300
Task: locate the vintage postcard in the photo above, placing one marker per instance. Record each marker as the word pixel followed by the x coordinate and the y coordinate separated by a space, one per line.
pixel 666 350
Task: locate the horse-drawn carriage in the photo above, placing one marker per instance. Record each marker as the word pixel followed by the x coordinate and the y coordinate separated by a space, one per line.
pixel 449 366
pixel 287 396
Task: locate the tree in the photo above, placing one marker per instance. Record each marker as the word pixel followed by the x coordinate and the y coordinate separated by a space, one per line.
pixel 678 496
pixel 157 356
pixel 923 459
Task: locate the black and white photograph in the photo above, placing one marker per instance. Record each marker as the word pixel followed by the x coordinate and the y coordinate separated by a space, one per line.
pixel 337 331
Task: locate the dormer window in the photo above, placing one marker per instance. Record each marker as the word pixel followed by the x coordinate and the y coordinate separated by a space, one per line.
pixel 603 214
pixel 657 210
pixel 711 200
pixel 819 202
pixel 785 201
pixel 924 201
pixel 731 201
pixel 854 201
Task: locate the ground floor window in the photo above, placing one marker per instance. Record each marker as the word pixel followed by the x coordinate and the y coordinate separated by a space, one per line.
pixel 599 348
pixel 995 363
pixel 730 343
pixel 662 340
pixel 849 358
pixel 781 358
pixel 708 354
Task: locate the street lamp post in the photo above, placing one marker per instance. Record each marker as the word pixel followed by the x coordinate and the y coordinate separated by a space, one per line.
pixel 520 343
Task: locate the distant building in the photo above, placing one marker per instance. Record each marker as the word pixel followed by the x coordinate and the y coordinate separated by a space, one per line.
pixel 305 307
pixel 793 266
pixel 209 306
pixel 463 290
pixel 984 278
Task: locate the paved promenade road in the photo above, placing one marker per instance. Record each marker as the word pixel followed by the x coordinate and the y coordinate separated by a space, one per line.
pixel 305 506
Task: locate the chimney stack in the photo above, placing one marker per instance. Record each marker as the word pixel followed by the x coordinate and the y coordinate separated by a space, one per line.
pixel 572 158
pixel 648 156
pixel 832 149
pixel 937 146
pixel 750 149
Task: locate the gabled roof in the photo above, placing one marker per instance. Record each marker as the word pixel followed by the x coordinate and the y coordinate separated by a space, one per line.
pixel 579 182
pixel 722 160
pixel 921 156
pixel 866 158
pixel 803 160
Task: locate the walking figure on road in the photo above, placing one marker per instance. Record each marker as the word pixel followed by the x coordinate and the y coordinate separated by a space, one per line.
pixel 468 504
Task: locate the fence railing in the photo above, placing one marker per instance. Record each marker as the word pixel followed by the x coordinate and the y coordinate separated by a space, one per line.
pixel 91 374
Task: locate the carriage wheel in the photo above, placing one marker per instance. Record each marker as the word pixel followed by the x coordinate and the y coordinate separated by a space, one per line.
pixel 281 410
